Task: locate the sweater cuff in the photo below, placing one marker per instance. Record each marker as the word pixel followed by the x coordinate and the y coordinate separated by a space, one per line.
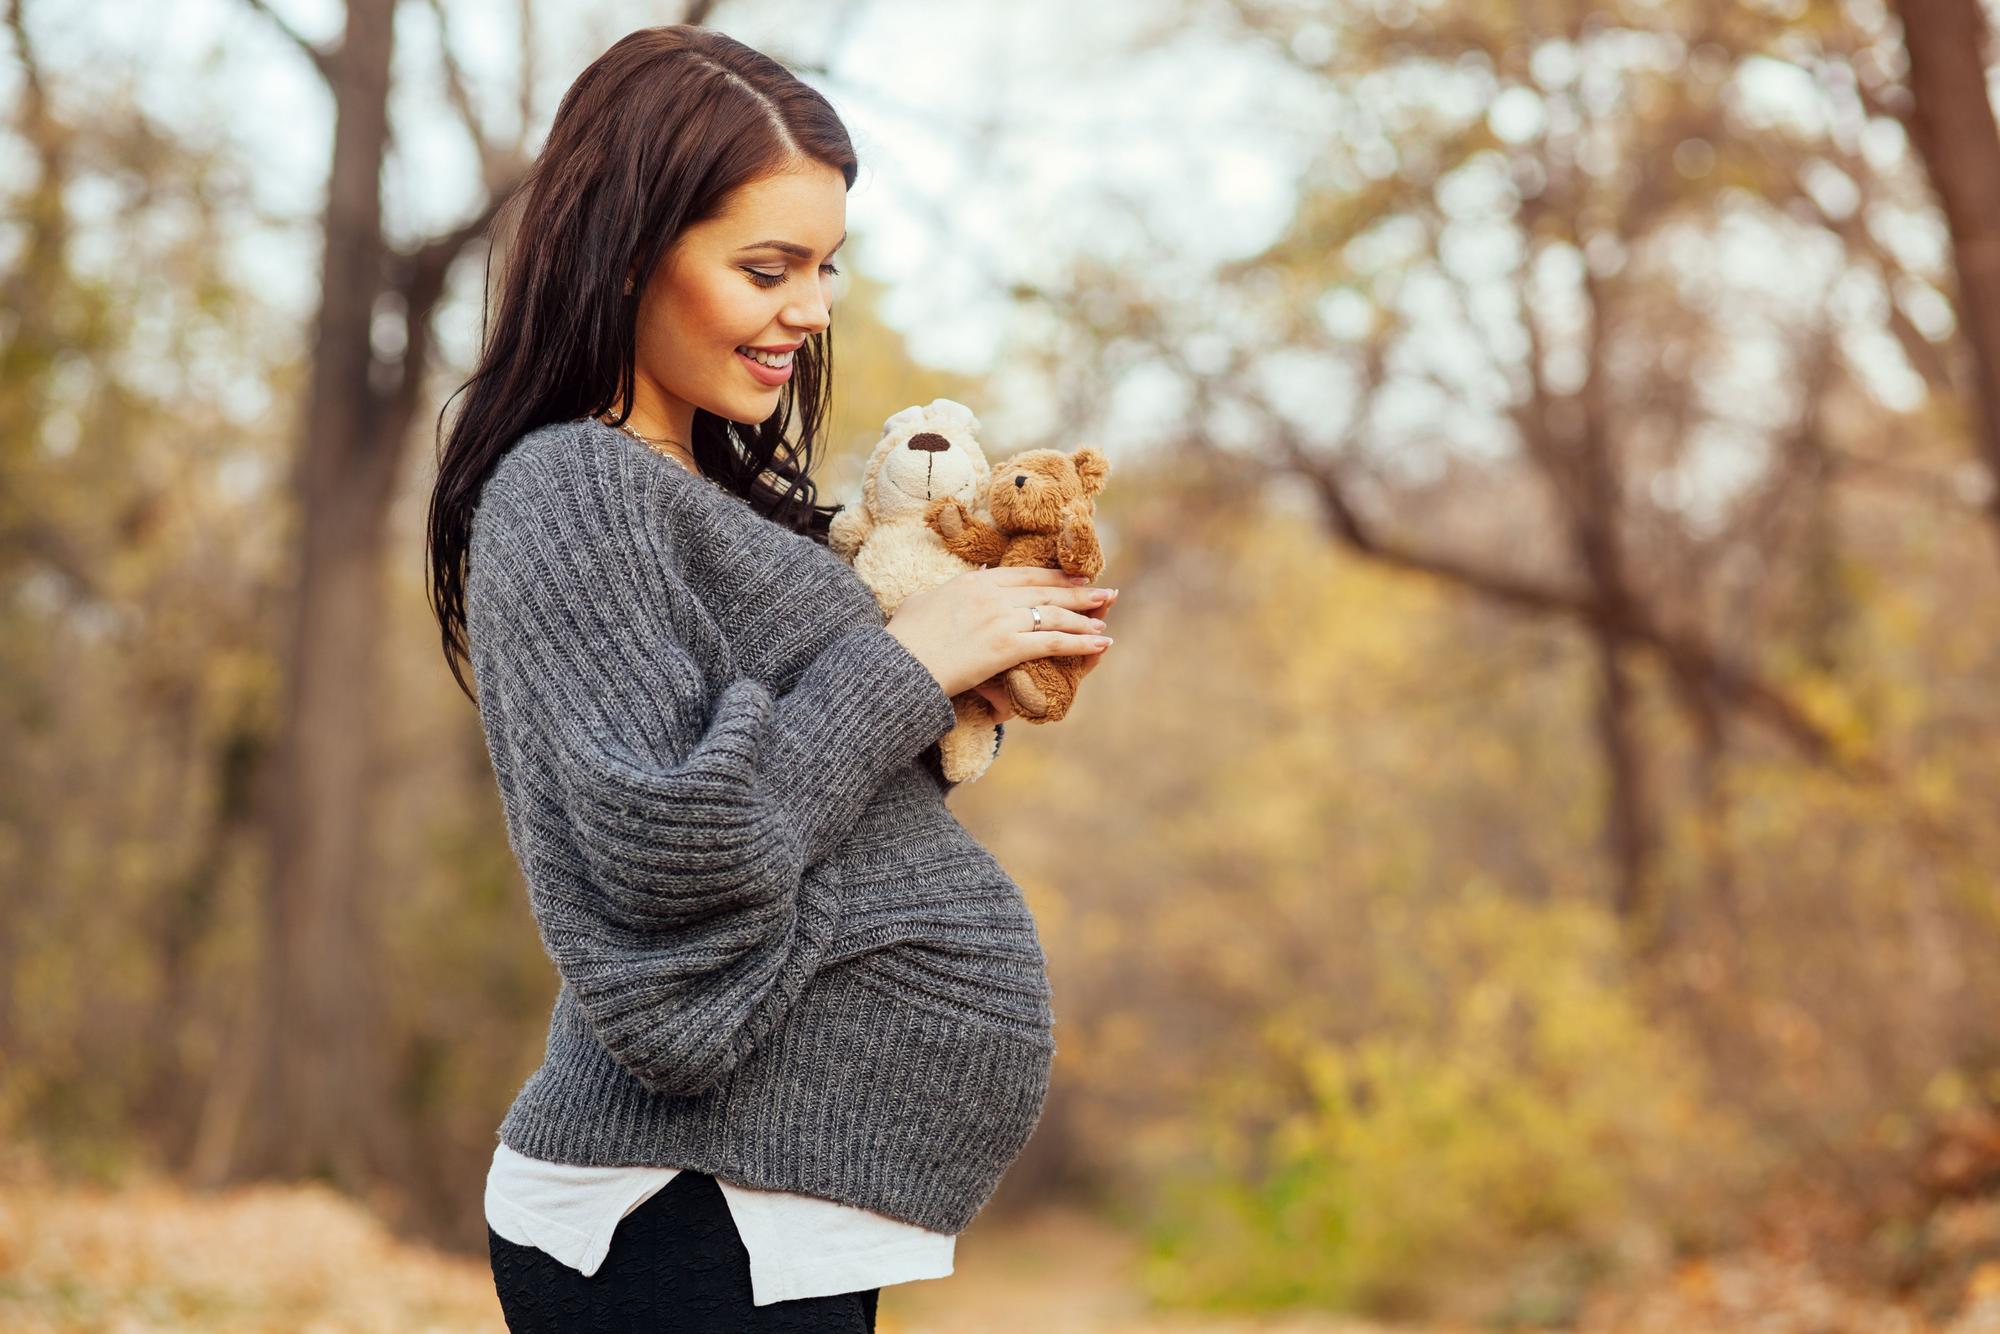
pixel 863 708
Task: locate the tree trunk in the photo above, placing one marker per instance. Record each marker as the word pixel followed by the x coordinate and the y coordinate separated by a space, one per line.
pixel 319 1079
pixel 1628 824
pixel 1953 126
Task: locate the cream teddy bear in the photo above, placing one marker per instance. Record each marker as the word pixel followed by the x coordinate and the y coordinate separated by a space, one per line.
pixel 926 454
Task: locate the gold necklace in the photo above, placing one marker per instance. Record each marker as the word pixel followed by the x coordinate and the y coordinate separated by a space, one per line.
pixel 658 447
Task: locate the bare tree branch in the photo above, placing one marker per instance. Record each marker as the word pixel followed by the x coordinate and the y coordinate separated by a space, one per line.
pixel 525 95
pixel 418 276
pixel 1683 650
pixel 31 69
pixel 1930 360
pixel 492 167
pixel 1941 490
pixel 321 57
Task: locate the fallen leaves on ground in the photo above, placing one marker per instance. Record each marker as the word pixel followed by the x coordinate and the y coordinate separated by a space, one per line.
pixel 302 1259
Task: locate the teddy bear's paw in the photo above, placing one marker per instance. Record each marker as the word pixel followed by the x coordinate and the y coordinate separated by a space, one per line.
pixel 1078 550
pixel 947 515
pixel 965 752
pixel 846 532
pixel 1026 695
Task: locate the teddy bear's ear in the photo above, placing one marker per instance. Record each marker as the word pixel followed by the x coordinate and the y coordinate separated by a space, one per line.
pixel 954 411
pixel 907 417
pixel 1091 468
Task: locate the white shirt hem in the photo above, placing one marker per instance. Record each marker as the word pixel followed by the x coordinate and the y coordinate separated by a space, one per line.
pixel 776 1282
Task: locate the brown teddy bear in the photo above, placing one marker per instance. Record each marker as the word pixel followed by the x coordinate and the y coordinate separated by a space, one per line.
pixel 1042 506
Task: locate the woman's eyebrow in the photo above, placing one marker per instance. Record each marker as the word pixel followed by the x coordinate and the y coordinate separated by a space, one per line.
pixel 793 247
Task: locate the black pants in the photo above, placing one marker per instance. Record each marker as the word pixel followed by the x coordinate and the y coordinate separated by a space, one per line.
pixel 676 1264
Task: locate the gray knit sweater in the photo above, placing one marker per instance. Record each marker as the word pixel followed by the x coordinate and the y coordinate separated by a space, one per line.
pixel 783 961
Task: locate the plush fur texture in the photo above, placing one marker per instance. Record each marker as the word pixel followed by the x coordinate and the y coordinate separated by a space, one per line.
pixel 1042 511
pixel 927 454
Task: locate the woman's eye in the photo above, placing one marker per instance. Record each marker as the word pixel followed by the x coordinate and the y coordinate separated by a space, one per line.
pixel 763 279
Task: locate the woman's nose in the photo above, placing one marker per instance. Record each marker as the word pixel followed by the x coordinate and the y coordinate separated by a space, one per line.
pixel 809 316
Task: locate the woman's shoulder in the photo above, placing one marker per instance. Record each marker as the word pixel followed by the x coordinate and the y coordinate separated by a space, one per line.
pixel 570 526
pixel 588 505
pixel 585 481
pixel 567 460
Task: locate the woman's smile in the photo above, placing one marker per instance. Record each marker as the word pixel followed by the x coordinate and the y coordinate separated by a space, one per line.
pixel 771 377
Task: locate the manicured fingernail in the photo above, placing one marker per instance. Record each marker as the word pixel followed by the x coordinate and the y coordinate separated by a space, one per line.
pixel 1079 578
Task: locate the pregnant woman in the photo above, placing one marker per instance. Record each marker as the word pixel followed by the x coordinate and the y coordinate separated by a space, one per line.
pixel 803 1020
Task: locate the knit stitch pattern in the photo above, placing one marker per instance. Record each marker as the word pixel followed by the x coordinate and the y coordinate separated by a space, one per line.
pixel 781 958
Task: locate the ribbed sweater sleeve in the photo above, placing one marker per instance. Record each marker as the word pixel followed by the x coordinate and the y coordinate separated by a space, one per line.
pixel 679 898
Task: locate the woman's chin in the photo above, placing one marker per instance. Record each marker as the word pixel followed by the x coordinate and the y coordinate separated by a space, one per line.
pixel 747 412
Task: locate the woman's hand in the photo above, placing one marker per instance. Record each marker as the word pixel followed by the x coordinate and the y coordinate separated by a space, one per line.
pixel 973 627
pixel 997 699
pixel 994 692
pixel 1090 663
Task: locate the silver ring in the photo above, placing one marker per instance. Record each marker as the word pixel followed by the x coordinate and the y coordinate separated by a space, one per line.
pixel 1038 616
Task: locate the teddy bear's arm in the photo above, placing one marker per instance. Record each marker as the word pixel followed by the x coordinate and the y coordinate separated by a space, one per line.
pixel 847 530
pixel 964 534
pixel 1077 547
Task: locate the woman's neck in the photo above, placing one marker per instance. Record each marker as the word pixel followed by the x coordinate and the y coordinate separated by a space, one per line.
pixel 668 431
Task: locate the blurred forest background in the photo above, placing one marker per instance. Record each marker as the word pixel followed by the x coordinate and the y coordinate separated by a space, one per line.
pixel 1530 857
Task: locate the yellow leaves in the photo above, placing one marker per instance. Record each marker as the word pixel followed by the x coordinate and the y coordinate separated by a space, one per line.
pixel 1830 704
pixel 1369 890
pixel 1787 1028
pixel 1948 1091
pixel 1538 1096
pixel 1696 1280
pixel 1984 1284
pixel 1895 1131
pixel 1328 1069
pixel 1934 784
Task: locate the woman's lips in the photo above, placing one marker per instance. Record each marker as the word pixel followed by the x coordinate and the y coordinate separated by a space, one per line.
pixel 768 375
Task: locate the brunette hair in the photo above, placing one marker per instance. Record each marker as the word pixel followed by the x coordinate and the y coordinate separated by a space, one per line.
pixel 652 138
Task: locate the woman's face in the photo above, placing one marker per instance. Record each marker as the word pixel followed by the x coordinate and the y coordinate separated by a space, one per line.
pixel 759 276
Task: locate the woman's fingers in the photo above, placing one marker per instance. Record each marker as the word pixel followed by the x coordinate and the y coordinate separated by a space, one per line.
pixel 1036 583
pixel 996 697
pixel 973 627
pixel 1063 604
pixel 1083 645
pixel 1052 618
pixel 1070 622
pixel 1035 574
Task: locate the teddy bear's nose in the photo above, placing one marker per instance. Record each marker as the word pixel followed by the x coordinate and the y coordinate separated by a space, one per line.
pixel 929 440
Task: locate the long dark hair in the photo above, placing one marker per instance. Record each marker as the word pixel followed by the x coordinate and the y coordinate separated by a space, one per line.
pixel 649 140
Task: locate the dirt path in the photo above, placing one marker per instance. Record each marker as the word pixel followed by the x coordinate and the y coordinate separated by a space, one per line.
pixel 1061 1273
pixel 153 1258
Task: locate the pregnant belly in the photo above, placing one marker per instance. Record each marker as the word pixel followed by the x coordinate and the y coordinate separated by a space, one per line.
pixel 926 908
